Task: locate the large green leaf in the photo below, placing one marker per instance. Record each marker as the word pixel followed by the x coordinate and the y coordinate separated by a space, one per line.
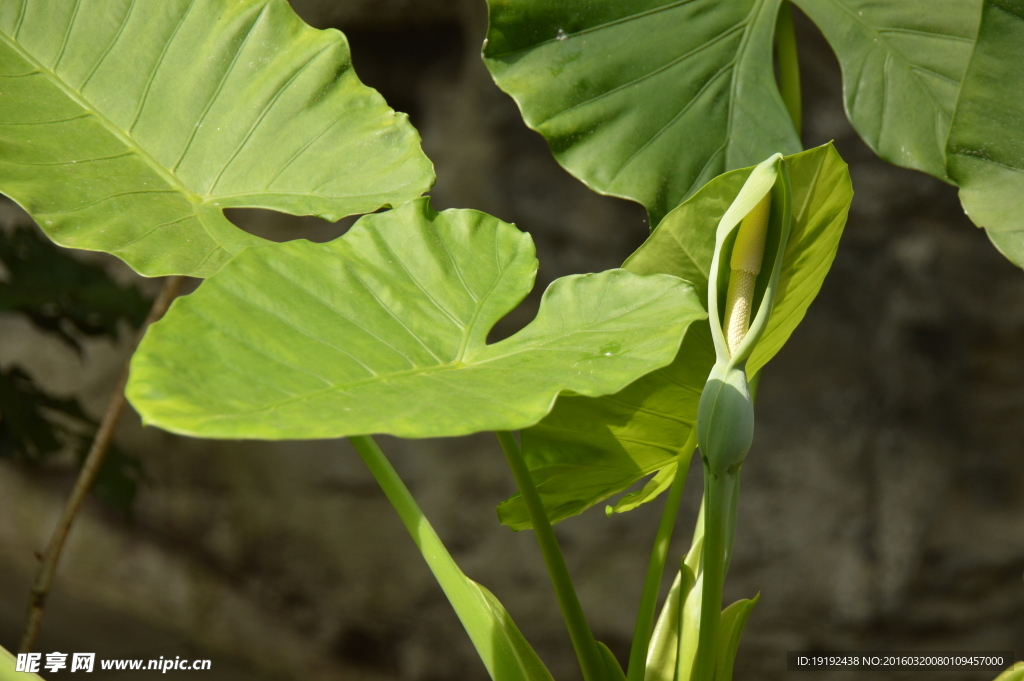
pixel 587 450
pixel 644 99
pixel 128 125
pixel 986 145
pixel 383 331
pixel 902 63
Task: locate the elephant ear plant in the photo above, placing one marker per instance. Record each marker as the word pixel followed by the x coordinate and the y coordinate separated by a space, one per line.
pixel 131 128
pixel 383 331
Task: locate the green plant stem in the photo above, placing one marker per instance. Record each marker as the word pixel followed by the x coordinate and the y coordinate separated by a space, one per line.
pixel 718 503
pixel 591 662
pixel 466 598
pixel 789 65
pixel 656 566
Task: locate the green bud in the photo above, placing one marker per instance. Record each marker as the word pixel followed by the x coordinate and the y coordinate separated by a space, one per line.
pixel 725 419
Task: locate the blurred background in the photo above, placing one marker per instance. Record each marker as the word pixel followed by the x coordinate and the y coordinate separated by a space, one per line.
pixel 883 500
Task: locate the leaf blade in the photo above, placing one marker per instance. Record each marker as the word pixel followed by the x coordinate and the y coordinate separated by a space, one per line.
pixel 701 68
pixel 144 120
pixel 383 330
pixel 902 64
pixel 986 142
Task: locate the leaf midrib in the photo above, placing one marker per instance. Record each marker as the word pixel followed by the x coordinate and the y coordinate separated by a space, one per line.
pixel 414 372
pixel 121 135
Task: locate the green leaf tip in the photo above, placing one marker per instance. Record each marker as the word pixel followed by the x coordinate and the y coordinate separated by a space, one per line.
pixel 384 331
pixel 129 128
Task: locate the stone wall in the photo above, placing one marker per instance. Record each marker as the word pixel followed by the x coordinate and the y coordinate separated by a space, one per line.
pixel 882 505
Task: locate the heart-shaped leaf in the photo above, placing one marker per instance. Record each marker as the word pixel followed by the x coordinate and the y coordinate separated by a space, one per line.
pixel 986 145
pixel 127 126
pixel 902 63
pixel 383 331
pixel 587 450
pixel 644 99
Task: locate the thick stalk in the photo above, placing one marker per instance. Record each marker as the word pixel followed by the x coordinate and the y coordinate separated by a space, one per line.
pixel 789 66
pixel 583 641
pixel 656 566
pixel 468 602
pixel 718 502
pixel 87 476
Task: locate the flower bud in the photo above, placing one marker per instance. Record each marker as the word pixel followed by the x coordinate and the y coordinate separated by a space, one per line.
pixel 750 227
pixel 725 419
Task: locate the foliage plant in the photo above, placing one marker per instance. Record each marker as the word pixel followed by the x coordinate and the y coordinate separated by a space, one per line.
pixel 133 126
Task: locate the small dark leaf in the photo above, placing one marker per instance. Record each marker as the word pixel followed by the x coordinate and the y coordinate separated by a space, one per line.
pixel 62 295
pixel 35 425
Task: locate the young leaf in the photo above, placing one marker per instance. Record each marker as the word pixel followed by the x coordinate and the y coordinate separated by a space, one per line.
pixel 902 64
pixel 675 631
pixel 986 145
pixel 383 331
pixel 587 450
pixel 613 668
pixel 644 99
pixel 730 627
pixel 509 656
pixel 128 126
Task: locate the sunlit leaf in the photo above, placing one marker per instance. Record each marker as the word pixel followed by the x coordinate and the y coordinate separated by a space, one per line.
pixel 127 126
pixel 383 331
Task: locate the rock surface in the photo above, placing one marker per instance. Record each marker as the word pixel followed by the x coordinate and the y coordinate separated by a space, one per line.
pixel 882 506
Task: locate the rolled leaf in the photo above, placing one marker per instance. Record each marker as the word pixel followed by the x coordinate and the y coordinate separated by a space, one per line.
pixel 127 126
pixel 384 331
pixel 587 450
pixel 986 145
